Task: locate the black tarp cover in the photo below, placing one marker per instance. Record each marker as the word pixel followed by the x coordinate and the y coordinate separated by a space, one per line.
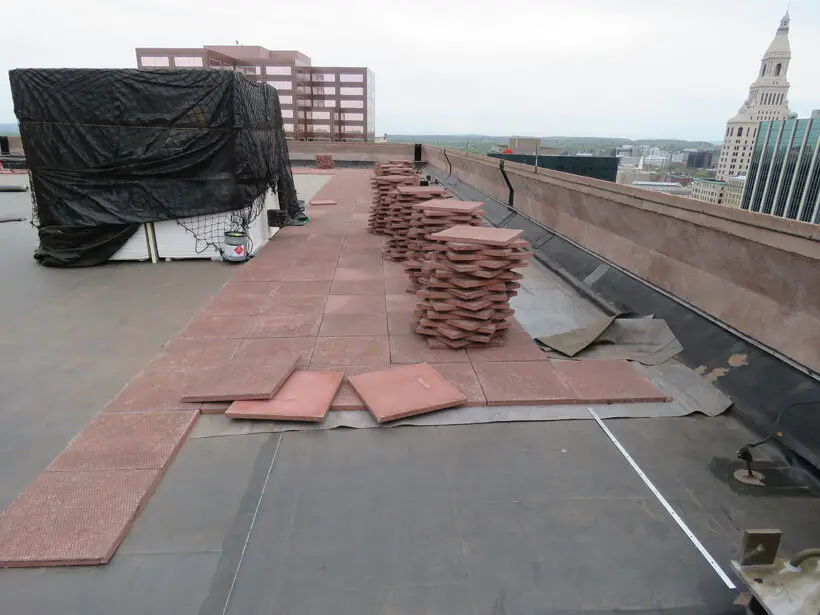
pixel 111 149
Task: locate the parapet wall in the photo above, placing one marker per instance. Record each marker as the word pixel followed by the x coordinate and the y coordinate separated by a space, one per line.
pixel 351 152
pixel 756 273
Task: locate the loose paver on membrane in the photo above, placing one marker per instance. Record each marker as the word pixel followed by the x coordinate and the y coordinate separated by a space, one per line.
pixel 406 390
pixel 305 396
pixel 238 380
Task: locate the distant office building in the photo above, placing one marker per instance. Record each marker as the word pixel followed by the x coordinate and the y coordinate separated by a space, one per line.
pixel 733 191
pixel 709 190
pixel 665 187
pixel 699 159
pixel 319 103
pixel 660 160
pixel 784 176
pixel 524 145
pixel 629 174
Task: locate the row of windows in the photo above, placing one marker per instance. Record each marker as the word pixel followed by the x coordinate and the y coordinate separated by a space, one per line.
pixel 772 98
pixel 197 61
pixel 317 91
pixel 331 77
pixel 325 128
pixel 319 104
pixel 730 131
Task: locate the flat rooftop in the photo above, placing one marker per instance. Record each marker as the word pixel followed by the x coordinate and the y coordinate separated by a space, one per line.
pixel 500 517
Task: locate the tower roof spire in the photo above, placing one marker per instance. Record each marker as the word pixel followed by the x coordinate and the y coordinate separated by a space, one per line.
pixel 779 46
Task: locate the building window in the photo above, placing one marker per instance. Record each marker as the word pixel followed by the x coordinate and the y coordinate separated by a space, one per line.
pixel 287 113
pixel 777 70
pixel 215 64
pixel 353 117
pixel 325 91
pixel 288 127
pixel 319 128
pixel 154 61
pixel 286 100
pixel 352 129
pixel 739 132
pixel 320 104
pixel 352 104
pixel 354 77
pixel 320 115
pixel 351 91
pixel 249 70
pixel 281 85
pixel 324 77
pixel 187 61
pixel 277 70
pixel 763 71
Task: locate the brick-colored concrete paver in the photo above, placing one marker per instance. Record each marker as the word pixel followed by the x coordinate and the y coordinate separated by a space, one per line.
pixel 366 350
pixel 405 390
pixel 275 350
pixel 72 518
pixel 353 325
pixel 126 441
pixel 518 347
pixel 478 234
pixel 286 325
pixel 238 380
pixel 305 396
pixel 193 353
pixel 153 391
pixel 606 382
pixel 218 326
pixel 463 377
pixel 414 349
pixel 507 383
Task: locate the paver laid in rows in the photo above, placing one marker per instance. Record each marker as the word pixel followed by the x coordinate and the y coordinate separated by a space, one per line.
pixel 238 380
pixel 606 382
pixel 126 441
pixel 74 518
pixel 305 396
pixel 405 390
pixel 508 383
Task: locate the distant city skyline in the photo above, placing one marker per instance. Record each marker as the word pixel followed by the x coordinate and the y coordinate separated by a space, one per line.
pixel 590 68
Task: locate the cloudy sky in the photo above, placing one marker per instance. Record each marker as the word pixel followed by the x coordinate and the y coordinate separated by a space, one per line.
pixel 614 68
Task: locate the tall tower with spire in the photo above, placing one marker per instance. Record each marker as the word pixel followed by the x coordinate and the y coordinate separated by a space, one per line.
pixel 767 100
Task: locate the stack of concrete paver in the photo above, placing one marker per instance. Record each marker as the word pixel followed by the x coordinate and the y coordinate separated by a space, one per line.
pixel 324 161
pixel 467 281
pixel 429 217
pixel 384 194
pixel 399 218
pixel 393 167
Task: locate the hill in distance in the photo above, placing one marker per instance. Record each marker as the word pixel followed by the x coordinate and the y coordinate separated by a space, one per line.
pixel 483 143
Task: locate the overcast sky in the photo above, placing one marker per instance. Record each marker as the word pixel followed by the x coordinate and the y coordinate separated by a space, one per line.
pixel 609 68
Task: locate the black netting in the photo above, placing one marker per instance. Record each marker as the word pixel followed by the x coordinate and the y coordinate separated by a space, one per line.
pixel 110 149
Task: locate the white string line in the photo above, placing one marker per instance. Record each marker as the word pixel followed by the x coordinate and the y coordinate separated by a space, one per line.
pixel 706 555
